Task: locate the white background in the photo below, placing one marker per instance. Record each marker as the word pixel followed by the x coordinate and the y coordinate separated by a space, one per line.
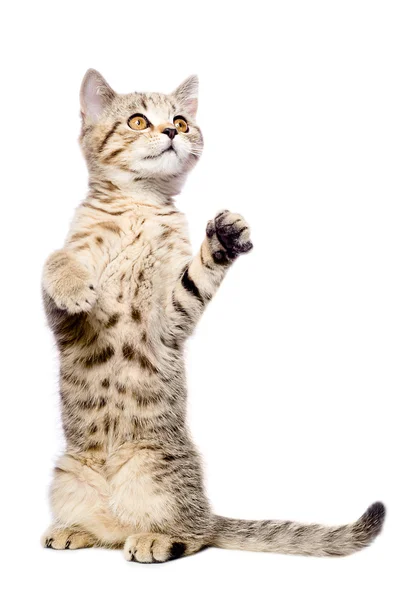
pixel 293 369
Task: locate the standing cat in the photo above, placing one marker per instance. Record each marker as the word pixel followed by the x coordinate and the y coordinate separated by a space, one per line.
pixel 121 297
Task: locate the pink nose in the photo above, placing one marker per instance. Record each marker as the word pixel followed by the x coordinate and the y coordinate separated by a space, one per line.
pixel 170 131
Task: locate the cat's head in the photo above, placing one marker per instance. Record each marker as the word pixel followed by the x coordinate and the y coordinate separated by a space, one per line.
pixel 139 135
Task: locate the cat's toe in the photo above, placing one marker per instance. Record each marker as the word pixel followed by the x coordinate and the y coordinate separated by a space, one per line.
pixel 66 539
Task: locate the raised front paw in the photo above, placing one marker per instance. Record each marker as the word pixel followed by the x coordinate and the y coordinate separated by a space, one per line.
pixel 232 233
pixel 68 283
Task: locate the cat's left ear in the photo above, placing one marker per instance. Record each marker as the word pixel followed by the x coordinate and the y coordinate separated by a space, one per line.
pixel 187 95
pixel 95 95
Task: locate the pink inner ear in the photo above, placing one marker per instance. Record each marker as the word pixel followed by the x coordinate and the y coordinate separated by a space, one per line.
pixel 95 95
pixel 191 105
pixel 93 101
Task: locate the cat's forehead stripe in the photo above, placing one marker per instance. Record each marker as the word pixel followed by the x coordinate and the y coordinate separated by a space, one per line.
pixel 159 101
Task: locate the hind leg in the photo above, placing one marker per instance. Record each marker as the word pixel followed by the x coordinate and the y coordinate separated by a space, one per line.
pixel 158 547
pixel 60 538
pixel 80 505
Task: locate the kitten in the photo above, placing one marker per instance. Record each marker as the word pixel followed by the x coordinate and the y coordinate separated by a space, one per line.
pixel 121 297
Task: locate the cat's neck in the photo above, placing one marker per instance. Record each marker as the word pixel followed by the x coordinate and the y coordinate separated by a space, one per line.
pixel 117 192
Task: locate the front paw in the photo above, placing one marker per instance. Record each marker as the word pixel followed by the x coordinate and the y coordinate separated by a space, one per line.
pixel 68 283
pixel 232 233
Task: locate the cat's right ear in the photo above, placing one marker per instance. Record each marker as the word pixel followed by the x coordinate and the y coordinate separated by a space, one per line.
pixel 95 95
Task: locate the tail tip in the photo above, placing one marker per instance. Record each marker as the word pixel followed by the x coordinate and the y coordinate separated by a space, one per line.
pixel 370 524
pixel 375 515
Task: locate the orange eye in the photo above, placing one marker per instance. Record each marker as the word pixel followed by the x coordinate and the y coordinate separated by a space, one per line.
pixel 138 122
pixel 181 125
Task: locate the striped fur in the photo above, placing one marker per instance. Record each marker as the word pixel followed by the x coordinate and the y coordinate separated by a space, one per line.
pixel 122 296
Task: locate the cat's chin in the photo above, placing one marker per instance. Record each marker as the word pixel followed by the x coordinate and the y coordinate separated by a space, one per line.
pixel 166 163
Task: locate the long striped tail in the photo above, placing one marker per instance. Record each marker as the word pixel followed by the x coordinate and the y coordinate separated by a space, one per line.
pixel 289 537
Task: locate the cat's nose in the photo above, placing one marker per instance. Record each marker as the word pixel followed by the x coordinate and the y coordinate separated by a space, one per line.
pixel 170 131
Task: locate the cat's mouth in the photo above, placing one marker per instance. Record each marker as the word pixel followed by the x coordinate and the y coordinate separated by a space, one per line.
pixel 167 150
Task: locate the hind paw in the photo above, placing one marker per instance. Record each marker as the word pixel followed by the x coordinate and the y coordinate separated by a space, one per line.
pixel 152 548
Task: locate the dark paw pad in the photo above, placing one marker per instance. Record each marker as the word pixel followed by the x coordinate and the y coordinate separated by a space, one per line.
pixel 220 257
pixel 177 550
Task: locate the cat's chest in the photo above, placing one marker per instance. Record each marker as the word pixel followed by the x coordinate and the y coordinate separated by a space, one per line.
pixel 145 264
